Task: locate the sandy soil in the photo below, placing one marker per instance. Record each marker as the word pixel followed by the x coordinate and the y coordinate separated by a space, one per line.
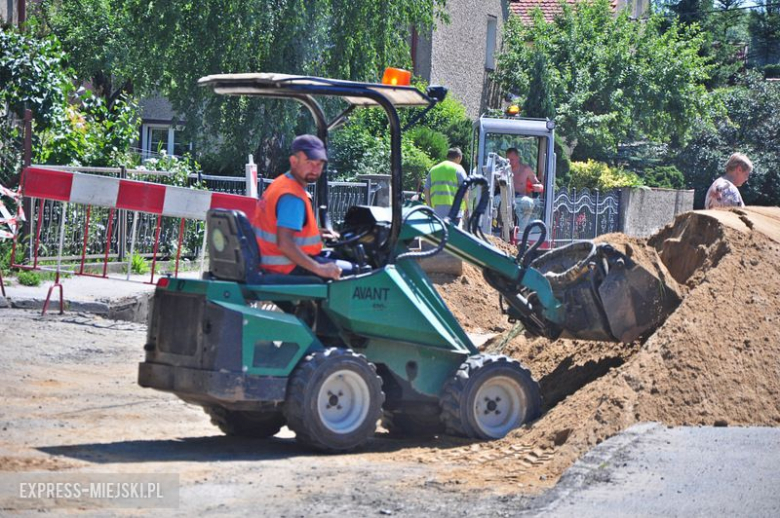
pixel 715 361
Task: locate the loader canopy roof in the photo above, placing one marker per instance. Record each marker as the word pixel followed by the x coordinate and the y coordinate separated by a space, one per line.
pixel 283 85
pixel 305 90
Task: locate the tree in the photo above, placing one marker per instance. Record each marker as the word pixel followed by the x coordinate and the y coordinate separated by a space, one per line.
pixel 539 102
pixel 765 32
pixel 611 79
pixel 749 123
pixel 164 47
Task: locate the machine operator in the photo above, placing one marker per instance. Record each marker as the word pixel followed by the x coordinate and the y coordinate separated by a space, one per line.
pixel 287 233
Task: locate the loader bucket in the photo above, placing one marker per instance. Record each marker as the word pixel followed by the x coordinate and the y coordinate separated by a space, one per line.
pixel 605 295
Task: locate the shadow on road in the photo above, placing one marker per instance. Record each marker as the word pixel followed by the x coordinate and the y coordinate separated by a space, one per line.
pixel 221 448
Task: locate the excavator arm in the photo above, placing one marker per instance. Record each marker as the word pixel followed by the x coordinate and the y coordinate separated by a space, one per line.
pixel 585 290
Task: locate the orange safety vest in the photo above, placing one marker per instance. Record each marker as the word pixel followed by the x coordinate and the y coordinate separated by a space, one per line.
pixel 308 238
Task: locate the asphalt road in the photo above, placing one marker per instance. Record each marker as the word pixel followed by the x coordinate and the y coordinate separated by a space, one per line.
pixel 653 470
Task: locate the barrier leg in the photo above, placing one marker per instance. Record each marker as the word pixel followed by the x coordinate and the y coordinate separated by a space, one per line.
pixel 132 245
pixel 38 234
pixel 2 286
pixel 57 283
pixel 156 243
pixel 178 248
pixel 84 246
pixel 108 240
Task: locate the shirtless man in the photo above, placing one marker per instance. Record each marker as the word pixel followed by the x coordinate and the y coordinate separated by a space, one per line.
pixel 526 183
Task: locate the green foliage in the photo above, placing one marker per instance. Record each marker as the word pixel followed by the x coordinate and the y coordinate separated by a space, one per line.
pixel 32 76
pixel 179 167
pixel 749 123
pixel 28 278
pixel 562 162
pixel 667 177
pixel 5 255
pixel 90 133
pixel 598 175
pixel 764 23
pixel 416 164
pixel 138 264
pixel 432 142
pixel 165 47
pixel 611 79
pixel 539 101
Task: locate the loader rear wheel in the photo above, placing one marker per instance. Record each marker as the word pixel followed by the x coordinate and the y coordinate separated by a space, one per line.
pixel 488 397
pixel 240 423
pixel 334 399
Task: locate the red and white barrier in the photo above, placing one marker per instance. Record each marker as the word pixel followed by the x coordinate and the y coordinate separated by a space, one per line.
pixel 120 194
pixel 116 193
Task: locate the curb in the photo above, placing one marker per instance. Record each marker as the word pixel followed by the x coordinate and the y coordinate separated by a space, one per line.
pixel 131 309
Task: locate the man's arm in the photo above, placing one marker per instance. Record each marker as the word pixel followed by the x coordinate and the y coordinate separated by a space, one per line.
pixel 286 244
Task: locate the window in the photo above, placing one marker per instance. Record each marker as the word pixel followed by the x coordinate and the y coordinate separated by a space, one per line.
pixel 490 43
pixel 156 138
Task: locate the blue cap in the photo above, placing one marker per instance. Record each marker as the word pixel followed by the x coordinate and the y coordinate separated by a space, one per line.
pixel 311 145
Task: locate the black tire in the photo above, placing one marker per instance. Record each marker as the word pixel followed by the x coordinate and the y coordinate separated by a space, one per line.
pixel 488 397
pixel 334 400
pixel 240 423
pixel 407 424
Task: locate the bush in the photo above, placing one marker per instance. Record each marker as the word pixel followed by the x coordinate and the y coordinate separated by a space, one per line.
pixel 27 278
pixel 667 177
pixel 598 175
pixel 433 143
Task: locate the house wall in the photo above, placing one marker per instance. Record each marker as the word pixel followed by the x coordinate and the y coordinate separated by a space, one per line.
pixel 8 11
pixel 644 211
pixel 453 55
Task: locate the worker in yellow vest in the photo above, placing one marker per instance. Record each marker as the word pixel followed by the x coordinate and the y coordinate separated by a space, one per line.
pixel 442 185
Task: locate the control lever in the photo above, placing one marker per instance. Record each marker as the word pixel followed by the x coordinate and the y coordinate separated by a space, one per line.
pixel 362 259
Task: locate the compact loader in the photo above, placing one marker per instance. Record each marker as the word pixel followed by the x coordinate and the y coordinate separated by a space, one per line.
pixel 329 359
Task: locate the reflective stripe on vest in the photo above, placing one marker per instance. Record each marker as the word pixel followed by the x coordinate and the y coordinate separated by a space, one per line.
pixel 307 239
pixel 444 184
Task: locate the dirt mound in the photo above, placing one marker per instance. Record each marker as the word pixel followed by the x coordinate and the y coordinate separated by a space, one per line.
pixel 715 361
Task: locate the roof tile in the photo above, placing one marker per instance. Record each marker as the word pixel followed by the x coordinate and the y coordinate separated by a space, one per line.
pixel 550 8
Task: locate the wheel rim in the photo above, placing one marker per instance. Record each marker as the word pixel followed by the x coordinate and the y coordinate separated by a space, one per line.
pixel 343 401
pixel 499 406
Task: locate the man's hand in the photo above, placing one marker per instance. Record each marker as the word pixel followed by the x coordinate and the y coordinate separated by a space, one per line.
pixel 329 234
pixel 538 187
pixel 328 270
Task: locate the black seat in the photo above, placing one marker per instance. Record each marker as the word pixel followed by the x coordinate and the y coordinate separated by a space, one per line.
pixel 234 254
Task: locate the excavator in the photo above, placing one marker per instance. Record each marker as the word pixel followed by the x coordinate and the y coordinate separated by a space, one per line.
pixel 331 359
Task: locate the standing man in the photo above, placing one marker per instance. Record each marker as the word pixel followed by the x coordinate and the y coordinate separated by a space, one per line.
pixel 442 184
pixel 526 184
pixel 286 228
pixel 723 192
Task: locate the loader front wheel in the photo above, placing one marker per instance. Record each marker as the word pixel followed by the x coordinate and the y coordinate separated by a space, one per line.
pixel 240 423
pixel 488 397
pixel 334 399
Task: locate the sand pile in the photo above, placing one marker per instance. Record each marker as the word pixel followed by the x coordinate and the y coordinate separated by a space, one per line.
pixel 715 361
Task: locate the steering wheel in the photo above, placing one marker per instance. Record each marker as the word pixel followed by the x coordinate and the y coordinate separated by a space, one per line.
pixel 349 237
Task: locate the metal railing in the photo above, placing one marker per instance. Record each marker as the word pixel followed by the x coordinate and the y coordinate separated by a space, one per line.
pixel 48 215
pixel 584 214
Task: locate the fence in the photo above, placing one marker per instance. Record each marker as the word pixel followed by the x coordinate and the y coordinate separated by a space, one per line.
pixel 114 228
pixel 584 214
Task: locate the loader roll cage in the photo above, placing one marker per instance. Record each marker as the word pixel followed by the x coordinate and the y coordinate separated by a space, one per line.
pixel 304 89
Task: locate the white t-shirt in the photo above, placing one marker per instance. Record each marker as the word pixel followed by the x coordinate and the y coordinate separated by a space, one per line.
pixel 723 193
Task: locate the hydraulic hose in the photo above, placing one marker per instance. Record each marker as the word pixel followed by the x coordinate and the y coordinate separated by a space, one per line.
pixel 442 243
